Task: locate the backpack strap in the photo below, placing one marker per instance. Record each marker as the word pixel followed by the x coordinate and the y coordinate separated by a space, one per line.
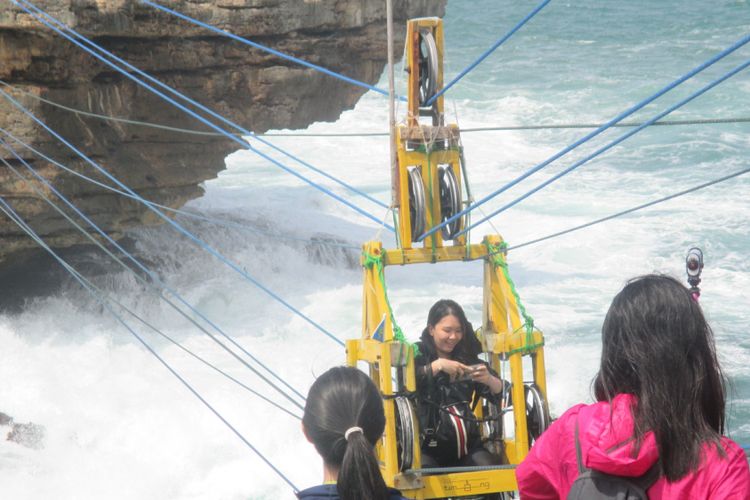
pixel 648 479
pixel 644 482
pixel 579 459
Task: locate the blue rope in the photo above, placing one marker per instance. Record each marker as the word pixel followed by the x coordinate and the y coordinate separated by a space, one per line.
pixel 180 346
pixel 489 51
pixel 630 210
pixel 233 137
pixel 174 224
pixel 154 277
pixel 214 220
pixel 744 40
pixel 270 50
pixel 207 110
pixel 13 216
pixel 611 144
pixel 191 353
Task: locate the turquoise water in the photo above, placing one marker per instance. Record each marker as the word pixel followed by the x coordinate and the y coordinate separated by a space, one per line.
pixel 583 62
pixel 120 427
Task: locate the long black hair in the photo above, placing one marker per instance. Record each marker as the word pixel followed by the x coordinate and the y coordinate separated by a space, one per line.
pixel 657 345
pixel 342 398
pixel 468 348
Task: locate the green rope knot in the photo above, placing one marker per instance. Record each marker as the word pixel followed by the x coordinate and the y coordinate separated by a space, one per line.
pixel 495 253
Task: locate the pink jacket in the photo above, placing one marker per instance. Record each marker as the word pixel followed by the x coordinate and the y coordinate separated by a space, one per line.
pixel 550 468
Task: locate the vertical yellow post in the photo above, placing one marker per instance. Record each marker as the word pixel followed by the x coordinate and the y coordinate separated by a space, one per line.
pixel 374 305
pixel 519 406
pixel 386 388
pixel 501 315
pixel 540 377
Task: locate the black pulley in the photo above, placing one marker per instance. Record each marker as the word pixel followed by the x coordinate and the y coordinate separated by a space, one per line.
pixel 450 201
pixel 537 414
pixel 405 427
pixel 428 67
pixel 416 203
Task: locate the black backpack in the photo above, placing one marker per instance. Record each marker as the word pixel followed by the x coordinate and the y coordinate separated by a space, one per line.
pixel 449 428
pixel 593 484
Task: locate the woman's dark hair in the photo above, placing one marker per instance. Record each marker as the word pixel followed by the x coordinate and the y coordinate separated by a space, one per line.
pixel 342 398
pixel 467 350
pixel 657 345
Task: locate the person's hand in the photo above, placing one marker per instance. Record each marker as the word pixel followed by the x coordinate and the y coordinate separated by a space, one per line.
pixel 481 373
pixel 454 369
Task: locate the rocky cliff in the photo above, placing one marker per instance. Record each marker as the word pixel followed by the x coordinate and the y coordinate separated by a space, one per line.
pixel 255 89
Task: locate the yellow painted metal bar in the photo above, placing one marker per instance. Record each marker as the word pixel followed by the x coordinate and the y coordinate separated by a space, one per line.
pixel 412 58
pixel 509 343
pixel 510 451
pixel 521 434
pixel 352 352
pixel 440 42
pixel 390 450
pixel 432 190
pixel 540 377
pixel 505 300
pixel 495 309
pixel 464 484
pixel 404 218
pixel 427 255
pixel 374 303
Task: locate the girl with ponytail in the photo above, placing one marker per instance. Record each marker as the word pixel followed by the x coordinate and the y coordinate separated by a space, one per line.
pixel 344 419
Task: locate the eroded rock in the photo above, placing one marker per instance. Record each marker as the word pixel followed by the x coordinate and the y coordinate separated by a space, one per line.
pixel 30 435
pixel 255 89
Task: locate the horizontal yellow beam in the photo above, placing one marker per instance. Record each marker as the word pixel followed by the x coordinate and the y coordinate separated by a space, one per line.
pixel 506 342
pixel 464 484
pixel 429 255
pixel 372 351
pixel 428 133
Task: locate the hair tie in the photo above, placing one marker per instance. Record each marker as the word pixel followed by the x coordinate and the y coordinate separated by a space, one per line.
pixel 350 431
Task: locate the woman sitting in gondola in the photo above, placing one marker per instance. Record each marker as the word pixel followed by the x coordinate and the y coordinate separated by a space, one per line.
pixel 450 377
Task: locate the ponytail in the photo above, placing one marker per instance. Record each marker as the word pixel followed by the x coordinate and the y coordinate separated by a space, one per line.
pixel 344 419
pixel 359 475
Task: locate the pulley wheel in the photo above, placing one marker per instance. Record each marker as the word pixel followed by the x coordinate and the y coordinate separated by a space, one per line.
pixel 428 66
pixel 537 415
pixel 405 426
pixel 450 201
pixel 416 203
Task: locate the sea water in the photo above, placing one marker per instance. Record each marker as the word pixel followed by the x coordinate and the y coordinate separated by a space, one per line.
pixel 120 426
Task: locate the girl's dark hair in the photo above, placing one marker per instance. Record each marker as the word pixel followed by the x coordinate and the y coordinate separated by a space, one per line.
pixel 657 345
pixel 342 398
pixel 467 350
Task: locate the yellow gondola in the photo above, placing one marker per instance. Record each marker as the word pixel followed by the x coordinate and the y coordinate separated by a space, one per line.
pixel 427 190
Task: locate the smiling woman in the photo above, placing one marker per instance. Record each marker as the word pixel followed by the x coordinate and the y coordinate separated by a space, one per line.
pixel 449 376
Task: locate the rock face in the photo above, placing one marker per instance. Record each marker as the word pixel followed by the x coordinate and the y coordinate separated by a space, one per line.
pixel 257 90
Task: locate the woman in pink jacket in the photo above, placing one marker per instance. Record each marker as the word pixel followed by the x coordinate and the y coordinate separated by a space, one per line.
pixel 660 394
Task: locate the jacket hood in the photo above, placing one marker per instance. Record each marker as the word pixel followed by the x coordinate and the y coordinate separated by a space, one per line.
pixel 608 444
